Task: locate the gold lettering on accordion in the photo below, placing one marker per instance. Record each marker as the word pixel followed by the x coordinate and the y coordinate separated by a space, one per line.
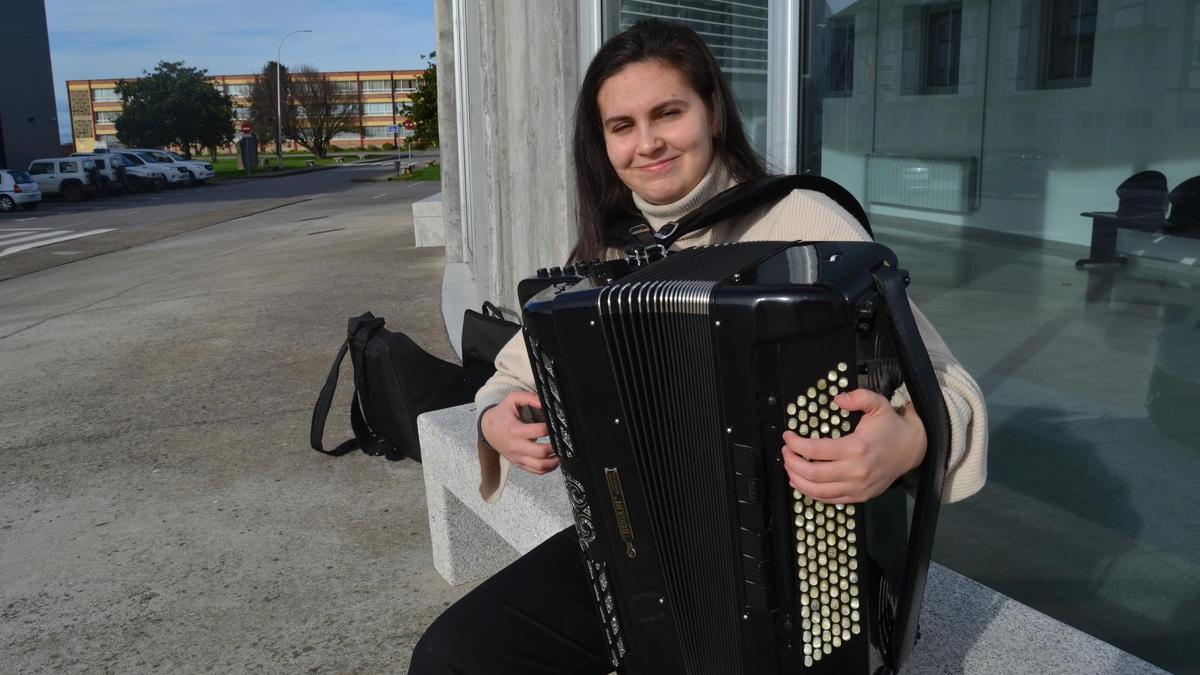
pixel 620 510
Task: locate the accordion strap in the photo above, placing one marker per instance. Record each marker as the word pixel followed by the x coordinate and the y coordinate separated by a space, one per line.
pixel 926 395
pixel 746 197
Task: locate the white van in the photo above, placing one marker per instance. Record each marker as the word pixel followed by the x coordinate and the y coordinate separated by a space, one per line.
pixel 74 178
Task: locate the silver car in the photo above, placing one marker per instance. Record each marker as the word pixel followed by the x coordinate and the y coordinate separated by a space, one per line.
pixel 18 190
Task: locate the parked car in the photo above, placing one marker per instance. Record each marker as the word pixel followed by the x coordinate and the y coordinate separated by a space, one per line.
pixel 188 172
pixel 18 190
pixel 111 171
pixel 141 176
pixel 202 170
pixel 125 172
pixel 74 178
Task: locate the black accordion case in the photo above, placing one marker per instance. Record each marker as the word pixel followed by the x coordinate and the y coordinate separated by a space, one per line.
pixel 667 386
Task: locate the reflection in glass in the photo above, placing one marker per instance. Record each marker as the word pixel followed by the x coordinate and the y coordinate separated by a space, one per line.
pixel 991 142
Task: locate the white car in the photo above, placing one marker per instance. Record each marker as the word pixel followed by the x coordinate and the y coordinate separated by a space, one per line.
pixel 126 171
pixel 18 190
pixel 176 174
pixel 141 176
pixel 75 178
pixel 192 172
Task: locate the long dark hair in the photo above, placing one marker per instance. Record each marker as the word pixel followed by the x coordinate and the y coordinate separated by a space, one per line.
pixel 603 198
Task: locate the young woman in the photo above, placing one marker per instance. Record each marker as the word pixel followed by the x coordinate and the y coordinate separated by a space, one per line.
pixel 657 134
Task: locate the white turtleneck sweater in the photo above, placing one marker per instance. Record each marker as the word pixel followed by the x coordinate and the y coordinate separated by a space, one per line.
pixel 802 215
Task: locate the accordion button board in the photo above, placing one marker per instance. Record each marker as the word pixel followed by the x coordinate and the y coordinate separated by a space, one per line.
pixel 667 387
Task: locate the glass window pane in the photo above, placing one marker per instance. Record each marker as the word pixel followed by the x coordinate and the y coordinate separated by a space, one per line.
pixel 976 133
pixel 735 30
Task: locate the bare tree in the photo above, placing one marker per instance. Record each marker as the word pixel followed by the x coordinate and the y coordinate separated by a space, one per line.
pixel 263 105
pixel 323 109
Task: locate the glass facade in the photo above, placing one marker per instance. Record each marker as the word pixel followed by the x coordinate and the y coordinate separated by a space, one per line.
pixel 976 133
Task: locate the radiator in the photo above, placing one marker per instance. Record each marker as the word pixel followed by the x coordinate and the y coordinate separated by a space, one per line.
pixel 935 183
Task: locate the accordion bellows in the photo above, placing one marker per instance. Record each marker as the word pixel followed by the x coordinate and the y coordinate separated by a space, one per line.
pixel 667 387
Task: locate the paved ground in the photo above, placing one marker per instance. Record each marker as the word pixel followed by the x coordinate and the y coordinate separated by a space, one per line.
pixel 161 510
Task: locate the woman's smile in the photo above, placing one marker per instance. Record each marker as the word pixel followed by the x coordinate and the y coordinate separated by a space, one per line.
pixel 658 166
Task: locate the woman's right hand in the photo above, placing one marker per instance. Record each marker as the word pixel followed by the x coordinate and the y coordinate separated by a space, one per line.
pixel 503 429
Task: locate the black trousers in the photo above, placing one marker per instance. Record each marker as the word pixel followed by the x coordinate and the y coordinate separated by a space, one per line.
pixel 535 616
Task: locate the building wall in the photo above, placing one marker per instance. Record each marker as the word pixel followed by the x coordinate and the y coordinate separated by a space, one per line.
pixel 519 66
pixel 92 104
pixel 28 121
pixel 1045 154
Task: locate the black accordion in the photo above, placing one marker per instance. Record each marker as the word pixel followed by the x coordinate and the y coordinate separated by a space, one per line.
pixel 667 387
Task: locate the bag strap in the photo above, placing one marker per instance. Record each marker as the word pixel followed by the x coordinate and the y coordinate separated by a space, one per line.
pixel 320 414
pixel 740 199
pixel 321 409
pixel 492 310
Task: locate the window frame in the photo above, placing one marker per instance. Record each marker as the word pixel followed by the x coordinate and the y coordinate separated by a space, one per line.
pixel 1045 40
pixel 833 24
pixel 927 51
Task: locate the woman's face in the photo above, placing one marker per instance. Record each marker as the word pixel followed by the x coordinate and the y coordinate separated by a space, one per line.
pixel 657 130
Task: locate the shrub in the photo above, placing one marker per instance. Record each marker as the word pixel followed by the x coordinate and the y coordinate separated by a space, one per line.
pixel 374 148
pixel 389 147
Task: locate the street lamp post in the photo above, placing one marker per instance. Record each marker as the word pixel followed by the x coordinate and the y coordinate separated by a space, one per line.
pixel 279 102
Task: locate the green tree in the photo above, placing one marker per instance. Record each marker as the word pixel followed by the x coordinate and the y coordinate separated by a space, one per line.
pixel 323 108
pixel 173 105
pixel 422 105
pixel 263 106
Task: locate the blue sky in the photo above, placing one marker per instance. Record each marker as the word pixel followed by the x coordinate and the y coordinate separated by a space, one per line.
pixel 121 38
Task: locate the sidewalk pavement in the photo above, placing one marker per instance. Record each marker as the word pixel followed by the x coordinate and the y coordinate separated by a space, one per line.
pixel 161 509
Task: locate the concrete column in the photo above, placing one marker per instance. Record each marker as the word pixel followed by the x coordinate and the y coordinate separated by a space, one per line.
pixel 448 130
pixel 522 67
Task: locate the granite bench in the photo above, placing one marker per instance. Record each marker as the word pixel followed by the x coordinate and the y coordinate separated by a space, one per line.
pixel 965 626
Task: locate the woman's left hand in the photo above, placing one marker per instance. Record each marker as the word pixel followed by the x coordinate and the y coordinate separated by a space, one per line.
pixel 858 466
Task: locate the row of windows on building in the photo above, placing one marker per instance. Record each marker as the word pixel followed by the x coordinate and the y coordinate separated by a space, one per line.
pixel 402 86
pixel 932 39
pixel 367 132
pixel 243 112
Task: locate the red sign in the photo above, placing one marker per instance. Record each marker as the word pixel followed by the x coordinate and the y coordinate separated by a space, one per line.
pixel 247 127
pixel 409 124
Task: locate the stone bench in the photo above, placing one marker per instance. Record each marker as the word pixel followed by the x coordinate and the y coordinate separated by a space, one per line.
pixel 965 627
pixel 429 229
pixel 472 539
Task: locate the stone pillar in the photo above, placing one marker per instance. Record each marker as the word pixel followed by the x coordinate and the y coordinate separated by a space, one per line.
pixel 521 65
pixel 448 140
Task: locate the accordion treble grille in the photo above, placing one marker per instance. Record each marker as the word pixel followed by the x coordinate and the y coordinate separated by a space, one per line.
pixel 659 335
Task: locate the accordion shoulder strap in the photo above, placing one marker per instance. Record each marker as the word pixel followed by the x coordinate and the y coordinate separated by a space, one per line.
pixel 753 194
pixel 926 395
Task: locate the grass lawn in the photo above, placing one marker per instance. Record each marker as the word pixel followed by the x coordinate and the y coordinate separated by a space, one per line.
pixel 428 173
pixel 226 167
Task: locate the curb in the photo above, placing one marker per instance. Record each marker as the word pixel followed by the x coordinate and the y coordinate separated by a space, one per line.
pixel 281 174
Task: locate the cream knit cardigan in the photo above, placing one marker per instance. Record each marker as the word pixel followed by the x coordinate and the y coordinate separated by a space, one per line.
pixel 806 215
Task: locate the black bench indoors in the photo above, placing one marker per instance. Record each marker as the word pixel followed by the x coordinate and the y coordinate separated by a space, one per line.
pixel 1142 206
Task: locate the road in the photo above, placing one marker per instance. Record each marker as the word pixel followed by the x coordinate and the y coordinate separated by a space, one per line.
pixel 59 231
